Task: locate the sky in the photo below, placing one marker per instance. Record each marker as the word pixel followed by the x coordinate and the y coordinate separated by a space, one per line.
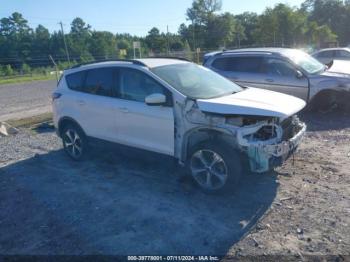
pixel 136 17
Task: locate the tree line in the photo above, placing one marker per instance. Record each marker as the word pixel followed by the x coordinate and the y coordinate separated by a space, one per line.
pixel 315 23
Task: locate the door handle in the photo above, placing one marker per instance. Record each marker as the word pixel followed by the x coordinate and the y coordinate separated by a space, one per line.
pixel 81 102
pixel 124 109
pixel 269 80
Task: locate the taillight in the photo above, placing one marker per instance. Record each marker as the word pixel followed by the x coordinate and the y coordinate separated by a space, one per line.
pixel 56 96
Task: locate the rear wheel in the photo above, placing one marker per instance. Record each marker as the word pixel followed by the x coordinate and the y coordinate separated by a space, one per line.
pixel 74 142
pixel 214 166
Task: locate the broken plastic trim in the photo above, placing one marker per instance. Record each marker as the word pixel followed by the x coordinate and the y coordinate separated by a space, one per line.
pixel 260 152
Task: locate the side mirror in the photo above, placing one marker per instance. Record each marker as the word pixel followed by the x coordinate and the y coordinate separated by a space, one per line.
pixel 299 74
pixel 155 99
pixel 329 65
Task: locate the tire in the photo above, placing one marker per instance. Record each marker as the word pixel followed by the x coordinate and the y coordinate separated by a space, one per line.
pixel 324 102
pixel 74 142
pixel 214 166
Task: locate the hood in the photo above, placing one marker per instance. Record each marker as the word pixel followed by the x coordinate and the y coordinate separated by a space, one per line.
pixel 253 101
pixel 337 77
pixel 339 68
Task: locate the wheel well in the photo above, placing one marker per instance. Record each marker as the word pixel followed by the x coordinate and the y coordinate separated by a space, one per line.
pixel 326 98
pixel 67 121
pixel 195 137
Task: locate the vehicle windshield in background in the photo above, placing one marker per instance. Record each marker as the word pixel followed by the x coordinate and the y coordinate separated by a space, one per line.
pixel 196 81
pixel 305 61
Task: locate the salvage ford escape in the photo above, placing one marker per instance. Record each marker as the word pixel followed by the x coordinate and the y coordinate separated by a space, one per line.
pixel 174 107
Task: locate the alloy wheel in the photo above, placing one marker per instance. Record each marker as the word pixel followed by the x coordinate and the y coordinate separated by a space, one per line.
pixel 73 143
pixel 209 169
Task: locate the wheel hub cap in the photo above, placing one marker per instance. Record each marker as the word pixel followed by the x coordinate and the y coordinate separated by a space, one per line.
pixel 209 169
pixel 72 143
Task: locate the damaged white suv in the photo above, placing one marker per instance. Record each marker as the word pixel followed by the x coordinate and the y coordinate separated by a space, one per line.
pixel 177 108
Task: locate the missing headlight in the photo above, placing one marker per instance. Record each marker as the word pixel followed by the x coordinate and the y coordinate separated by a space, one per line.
pixel 265 133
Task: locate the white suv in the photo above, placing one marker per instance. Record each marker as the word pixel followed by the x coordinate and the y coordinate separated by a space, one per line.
pixel 177 108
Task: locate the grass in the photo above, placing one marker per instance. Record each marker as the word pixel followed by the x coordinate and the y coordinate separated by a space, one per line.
pixel 24 79
pixel 31 121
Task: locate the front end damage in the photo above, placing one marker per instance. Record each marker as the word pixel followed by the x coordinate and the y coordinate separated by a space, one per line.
pixel 268 145
pixel 266 141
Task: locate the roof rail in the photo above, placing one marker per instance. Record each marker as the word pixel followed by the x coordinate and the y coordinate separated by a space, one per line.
pixel 136 62
pixel 171 57
pixel 245 51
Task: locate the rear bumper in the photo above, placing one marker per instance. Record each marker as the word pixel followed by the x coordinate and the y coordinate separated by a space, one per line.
pixel 266 157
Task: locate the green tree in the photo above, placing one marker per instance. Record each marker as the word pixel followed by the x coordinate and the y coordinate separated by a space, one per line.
pixel 281 26
pixel 221 31
pixel 25 69
pixel 333 13
pixel 155 41
pixel 78 40
pixel 102 45
pixel 8 71
pixel 319 35
pixel 202 11
pixel 248 22
pixel 40 48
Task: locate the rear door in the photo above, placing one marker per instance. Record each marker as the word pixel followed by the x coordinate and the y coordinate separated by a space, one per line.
pixel 281 76
pixel 138 124
pixel 95 103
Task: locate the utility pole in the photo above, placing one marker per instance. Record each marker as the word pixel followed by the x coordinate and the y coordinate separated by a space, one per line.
pixel 193 36
pixel 65 43
pixel 167 39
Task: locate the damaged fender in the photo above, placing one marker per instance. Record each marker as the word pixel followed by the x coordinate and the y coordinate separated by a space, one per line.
pixel 264 142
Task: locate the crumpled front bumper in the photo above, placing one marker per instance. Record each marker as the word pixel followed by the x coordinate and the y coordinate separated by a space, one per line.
pixel 265 157
pixel 285 147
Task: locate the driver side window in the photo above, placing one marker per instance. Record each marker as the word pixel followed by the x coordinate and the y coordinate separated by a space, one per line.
pixel 278 67
pixel 135 85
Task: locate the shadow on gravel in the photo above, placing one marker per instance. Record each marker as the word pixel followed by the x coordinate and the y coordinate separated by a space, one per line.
pixel 113 204
pixel 335 120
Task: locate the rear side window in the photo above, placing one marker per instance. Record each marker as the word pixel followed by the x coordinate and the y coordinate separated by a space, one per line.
pixel 221 64
pixel 75 81
pixel 248 64
pixel 100 81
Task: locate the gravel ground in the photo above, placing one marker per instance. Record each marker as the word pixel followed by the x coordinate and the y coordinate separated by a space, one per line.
pixel 25 99
pixel 116 204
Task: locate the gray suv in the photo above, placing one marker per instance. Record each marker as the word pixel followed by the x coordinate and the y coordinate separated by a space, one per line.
pixel 284 70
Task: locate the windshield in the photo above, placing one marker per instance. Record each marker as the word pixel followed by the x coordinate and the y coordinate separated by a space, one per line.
pixel 305 61
pixel 196 81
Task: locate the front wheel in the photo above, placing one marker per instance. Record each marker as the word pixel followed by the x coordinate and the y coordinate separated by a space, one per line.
pixel 74 142
pixel 214 166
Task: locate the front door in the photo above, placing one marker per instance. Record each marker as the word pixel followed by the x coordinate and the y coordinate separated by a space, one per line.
pixel 281 76
pixel 138 124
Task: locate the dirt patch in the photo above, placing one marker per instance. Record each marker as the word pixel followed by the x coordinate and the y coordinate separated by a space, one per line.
pixel 126 202
pixel 31 121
